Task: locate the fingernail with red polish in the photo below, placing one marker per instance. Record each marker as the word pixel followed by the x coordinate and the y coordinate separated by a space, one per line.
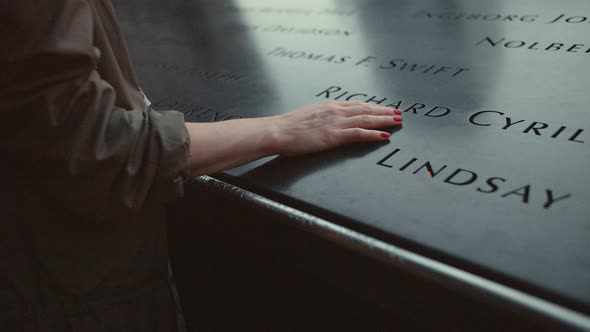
pixel 398 112
pixel 397 118
pixel 385 135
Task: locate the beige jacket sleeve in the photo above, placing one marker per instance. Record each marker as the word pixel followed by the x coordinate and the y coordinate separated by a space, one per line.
pixel 60 123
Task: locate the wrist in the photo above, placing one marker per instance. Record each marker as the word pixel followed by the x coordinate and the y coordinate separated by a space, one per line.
pixel 275 140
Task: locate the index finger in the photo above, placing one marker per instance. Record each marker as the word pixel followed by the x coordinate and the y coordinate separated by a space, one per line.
pixel 370 109
pixel 349 102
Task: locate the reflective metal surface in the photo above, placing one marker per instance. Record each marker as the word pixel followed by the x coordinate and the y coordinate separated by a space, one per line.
pixel 488 171
pixel 551 316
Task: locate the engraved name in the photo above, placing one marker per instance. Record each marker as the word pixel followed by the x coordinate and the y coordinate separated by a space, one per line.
pixel 442 173
pixel 484 119
pixel 194 113
pixel 534 45
pixel 385 64
pixel 501 17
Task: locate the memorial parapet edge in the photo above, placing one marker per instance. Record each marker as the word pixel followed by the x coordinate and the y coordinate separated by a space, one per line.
pixel 489 169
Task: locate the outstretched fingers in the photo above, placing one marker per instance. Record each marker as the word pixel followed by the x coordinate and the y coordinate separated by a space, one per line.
pixel 351 135
pixel 347 102
pixel 368 109
pixel 360 121
pixel 371 121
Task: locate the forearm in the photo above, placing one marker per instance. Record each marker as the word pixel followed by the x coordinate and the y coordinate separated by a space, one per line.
pixel 223 145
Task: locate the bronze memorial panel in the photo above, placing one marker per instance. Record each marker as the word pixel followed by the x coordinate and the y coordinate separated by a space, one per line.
pixel 487 172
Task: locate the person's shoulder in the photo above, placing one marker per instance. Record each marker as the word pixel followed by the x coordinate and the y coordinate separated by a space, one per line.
pixel 29 26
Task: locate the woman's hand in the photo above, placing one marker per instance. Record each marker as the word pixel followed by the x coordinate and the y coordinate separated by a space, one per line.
pixel 222 145
pixel 329 124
